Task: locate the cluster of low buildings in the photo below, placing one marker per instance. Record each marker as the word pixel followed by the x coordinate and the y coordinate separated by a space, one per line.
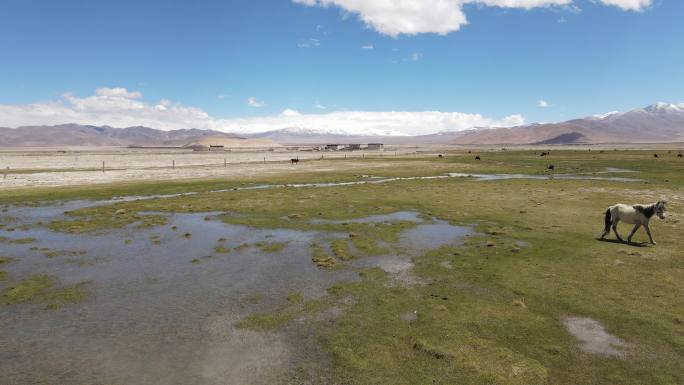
pixel 352 147
pixel 324 147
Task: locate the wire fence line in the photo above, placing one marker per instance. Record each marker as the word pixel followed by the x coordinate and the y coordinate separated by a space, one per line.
pixel 94 161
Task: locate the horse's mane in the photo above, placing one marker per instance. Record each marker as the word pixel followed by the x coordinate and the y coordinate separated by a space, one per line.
pixel 648 210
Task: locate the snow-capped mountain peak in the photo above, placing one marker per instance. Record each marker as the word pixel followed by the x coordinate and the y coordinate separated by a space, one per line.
pixel 606 115
pixel 662 107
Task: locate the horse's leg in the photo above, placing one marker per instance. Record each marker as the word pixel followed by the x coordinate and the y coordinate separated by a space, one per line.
pixel 615 223
pixel 650 237
pixel 631 234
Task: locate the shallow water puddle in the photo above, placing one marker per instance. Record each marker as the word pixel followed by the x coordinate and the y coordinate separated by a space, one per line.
pixel 149 307
pixel 401 216
pixel 493 177
pixel 593 337
pixel 614 170
pixel 162 301
pixel 433 236
pixel 430 234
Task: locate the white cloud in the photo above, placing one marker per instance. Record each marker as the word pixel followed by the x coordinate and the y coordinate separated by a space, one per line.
pixel 629 5
pixel 113 109
pixel 367 46
pixel 402 16
pixel 253 102
pixel 118 92
pixel 543 104
pixel 411 17
pixel 370 122
pixel 290 112
pixel 416 56
pixel 320 106
pixel 309 43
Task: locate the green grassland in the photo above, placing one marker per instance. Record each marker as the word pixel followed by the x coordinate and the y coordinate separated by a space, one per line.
pixel 495 316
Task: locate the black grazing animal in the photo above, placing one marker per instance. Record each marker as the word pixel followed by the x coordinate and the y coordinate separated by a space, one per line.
pixel 477 157
pixel 680 156
pixel 552 167
pixel 544 154
pixel 655 155
pixel 294 161
pixel 440 155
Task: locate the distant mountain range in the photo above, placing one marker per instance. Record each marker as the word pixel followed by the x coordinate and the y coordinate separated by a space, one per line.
pixel 84 135
pixel 661 122
pixel 658 123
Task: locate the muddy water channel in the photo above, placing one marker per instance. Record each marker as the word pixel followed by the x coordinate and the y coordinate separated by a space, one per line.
pixel 161 303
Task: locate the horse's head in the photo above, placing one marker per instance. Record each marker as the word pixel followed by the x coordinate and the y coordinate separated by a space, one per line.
pixel 660 209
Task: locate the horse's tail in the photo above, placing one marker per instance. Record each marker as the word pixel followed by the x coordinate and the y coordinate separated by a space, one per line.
pixel 607 221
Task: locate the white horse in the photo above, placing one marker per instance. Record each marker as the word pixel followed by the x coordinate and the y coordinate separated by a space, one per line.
pixel 638 215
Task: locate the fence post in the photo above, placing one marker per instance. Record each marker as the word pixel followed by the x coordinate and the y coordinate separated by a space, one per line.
pixel 173 164
pixel 224 162
pixel 103 166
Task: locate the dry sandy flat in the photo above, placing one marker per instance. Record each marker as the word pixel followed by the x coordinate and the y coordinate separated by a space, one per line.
pixel 30 167
pixel 53 167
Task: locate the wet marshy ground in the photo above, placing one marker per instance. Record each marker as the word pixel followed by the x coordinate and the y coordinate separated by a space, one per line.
pixel 159 304
pixel 362 279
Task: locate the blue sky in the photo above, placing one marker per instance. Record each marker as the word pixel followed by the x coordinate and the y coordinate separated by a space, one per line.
pixel 207 59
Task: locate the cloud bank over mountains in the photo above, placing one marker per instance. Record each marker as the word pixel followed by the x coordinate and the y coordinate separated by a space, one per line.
pixel 119 107
pixel 412 17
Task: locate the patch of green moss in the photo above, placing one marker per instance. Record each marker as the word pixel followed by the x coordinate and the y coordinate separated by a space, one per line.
pixel 295 298
pixel 22 241
pixel 28 289
pixel 70 295
pixel 271 247
pixel 5 260
pixel 221 249
pixel 340 247
pixel 265 321
pixel 254 299
pixel 41 289
pixel 321 258
pixel 52 253
pixel 97 218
